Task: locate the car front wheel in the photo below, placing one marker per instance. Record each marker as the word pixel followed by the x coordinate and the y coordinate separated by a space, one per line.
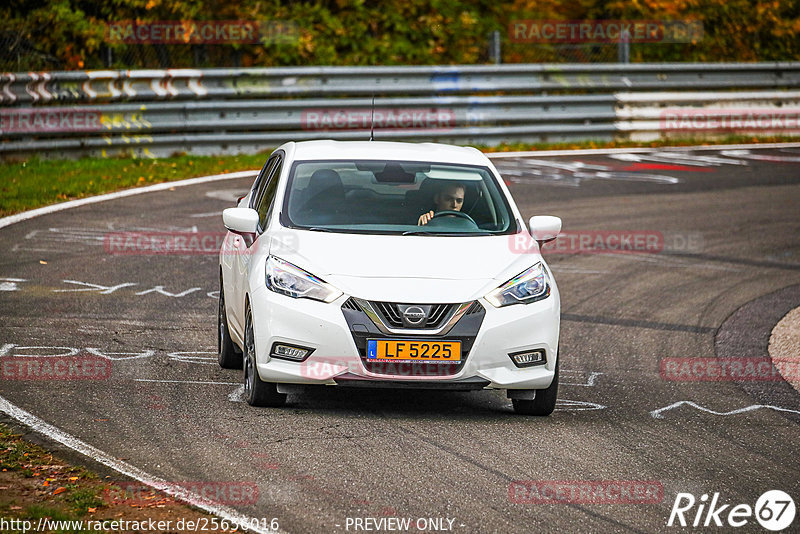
pixel 543 403
pixel 228 355
pixel 256 391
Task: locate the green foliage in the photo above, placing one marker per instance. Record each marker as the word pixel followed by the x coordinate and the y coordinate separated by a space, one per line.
pixel 71 34
pixel 81 499
pixel 14 452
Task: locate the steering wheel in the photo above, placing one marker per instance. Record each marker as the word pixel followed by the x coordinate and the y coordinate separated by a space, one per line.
pixel 461 214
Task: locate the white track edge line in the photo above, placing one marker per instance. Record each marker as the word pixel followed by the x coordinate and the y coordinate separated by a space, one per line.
pixel 636 150
pixel 30 214
pixel 42 427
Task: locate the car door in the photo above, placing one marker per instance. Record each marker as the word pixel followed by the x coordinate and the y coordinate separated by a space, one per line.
pixel 262 201
pixel 240 250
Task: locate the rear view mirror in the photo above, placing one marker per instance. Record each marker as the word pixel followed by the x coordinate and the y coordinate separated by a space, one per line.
pixel 396 174
pixel 544 228
pixel 240 220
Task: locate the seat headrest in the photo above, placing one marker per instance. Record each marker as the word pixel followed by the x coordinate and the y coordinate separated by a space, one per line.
pixel 327 182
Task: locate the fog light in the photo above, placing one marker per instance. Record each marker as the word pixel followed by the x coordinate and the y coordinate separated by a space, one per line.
pixel 528 358
pixel 290 352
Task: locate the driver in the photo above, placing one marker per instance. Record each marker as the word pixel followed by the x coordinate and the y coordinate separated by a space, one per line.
pixel 449 198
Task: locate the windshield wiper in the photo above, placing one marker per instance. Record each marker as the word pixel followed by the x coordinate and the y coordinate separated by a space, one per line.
pixel 457 234
pixel 319 229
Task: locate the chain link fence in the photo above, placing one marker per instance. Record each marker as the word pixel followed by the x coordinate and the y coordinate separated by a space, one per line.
pixel 20 54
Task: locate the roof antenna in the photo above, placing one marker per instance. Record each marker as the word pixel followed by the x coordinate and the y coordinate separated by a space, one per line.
pixel 372 120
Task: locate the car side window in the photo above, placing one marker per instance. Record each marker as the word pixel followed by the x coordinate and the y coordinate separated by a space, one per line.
pixel 261 181
pixel 267 195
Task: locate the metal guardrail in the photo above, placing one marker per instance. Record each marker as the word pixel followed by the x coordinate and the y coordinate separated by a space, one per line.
pixel 160 112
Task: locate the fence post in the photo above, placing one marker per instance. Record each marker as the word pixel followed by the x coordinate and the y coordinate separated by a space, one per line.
pixel 624 47
pixel 494 48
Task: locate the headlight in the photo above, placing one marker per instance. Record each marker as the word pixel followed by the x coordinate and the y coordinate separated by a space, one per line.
pixel 284 278
pixel 528 286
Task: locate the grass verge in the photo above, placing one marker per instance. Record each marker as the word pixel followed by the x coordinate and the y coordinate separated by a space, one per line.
pixel 36 485
pixel 36 182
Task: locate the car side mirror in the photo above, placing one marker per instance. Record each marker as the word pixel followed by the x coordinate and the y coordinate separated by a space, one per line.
pixel 242 221
pixel 544 228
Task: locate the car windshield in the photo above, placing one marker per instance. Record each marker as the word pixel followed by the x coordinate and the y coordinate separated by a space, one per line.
pixel 391 197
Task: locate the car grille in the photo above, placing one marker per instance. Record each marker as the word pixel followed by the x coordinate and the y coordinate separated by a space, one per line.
pixel 363 328
pixel 390 313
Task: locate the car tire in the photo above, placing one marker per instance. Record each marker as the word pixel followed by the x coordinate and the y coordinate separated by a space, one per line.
pixel 256 391
pixel 543 403
pixel 228 354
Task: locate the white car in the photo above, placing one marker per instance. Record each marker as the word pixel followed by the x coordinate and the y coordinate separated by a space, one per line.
pixel 330 275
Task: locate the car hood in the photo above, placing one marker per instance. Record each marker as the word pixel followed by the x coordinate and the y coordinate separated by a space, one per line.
pixel 406 268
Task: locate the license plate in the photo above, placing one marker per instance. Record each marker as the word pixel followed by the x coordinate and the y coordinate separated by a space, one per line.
pixel 414 351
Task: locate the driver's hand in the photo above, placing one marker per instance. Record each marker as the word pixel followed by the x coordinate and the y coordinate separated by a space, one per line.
pixel 424 218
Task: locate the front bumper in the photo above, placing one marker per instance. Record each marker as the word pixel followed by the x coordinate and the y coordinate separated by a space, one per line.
pixel 338 333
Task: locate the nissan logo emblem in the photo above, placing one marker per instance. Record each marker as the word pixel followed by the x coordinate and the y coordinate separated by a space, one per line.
pixel 414 315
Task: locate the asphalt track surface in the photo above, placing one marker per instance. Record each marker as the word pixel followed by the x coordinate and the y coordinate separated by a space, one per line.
pixel 731 227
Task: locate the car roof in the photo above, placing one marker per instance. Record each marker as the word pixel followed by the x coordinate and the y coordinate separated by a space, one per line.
pixel 388 150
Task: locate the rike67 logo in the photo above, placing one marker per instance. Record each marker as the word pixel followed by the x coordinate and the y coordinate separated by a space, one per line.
pixel 774 510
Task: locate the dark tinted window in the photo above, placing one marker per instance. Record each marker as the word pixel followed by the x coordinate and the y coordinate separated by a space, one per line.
pixel 267 194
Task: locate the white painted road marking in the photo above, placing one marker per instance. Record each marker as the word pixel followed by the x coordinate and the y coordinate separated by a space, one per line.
pixel 162 291
pixel 205 382
pixel 70 351
pixel 104 290
pixel 572 173
pixel 677 158
pixel 192 357
pixel 643 150
pixel 237 395
pixel 746 154
pixel 107 290
pixel 565 405
pixel 588 378
pixel 115 356
pixel 658 414
pixel 10 284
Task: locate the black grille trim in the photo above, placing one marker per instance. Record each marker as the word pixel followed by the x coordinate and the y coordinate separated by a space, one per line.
pixel 390 313
pixel 475 308
pixel 350 304
pixel 438 312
